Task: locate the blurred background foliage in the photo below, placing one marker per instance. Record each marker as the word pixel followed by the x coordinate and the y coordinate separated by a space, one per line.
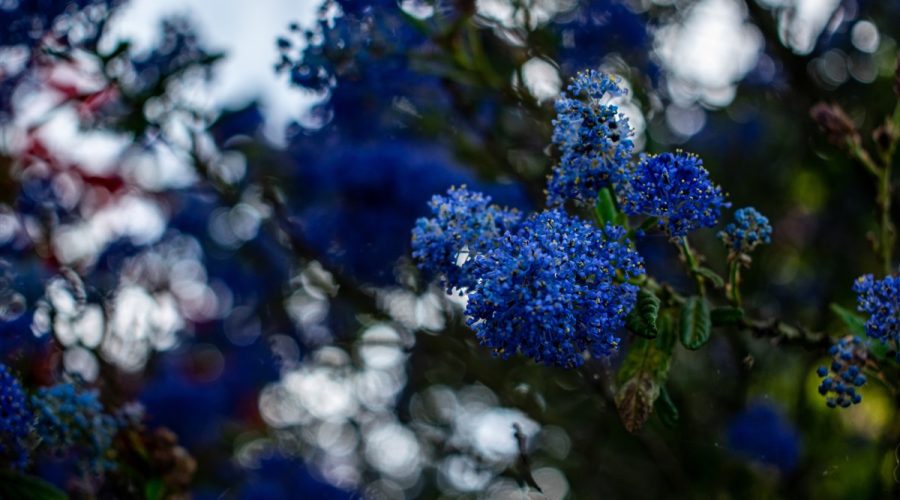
pixel 252 291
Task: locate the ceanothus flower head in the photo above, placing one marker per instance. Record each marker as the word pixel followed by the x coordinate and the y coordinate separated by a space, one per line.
pixel 71 422
pixel 676 189
pixel 843 377
pixel 464 224
pixel 15 421
pixel 749 230
pixel 553 289
pixel 593 137
pixel 881 301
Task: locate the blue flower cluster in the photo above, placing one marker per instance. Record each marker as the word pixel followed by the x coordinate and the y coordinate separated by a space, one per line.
pixel 70 420
pixel 554 289
pixel 749 230
pixel 464 224
pixel 762 434
pixel 842 379
pixel 593 137
pixel 677 190
pixel 881 301
pixel 15 421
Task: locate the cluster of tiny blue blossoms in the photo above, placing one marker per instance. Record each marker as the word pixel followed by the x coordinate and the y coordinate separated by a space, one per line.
pixel 881 301
pixel 841 380
pixel 593 138
pixel 70 420
pixel 15 421
pixel 465 224
pixel 675 189
pixel 749 230
pixel 554 289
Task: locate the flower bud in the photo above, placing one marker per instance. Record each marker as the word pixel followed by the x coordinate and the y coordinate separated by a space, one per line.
pixel 884 135
pixel 832 120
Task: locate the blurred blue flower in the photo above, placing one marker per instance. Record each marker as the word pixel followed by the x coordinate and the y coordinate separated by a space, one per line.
pixel 594 29
pixel 15 421
pixel 554 289
pixel 363 199
pixel 362 58
pixel 762 434
pixel 71 422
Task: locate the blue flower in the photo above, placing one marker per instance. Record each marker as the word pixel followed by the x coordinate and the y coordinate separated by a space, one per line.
pixel 881 301
pixel 843 377
pixel 15 421
pixel 554 289
pixel 464 224
pixel 71 422
pixel 749 229
pixel 593 137
pixel 762 434
pixel 676 189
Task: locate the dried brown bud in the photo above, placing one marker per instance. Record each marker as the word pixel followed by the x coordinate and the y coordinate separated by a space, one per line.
pixel 179 476
pixel 173 462
pixel 884 136
pixel 832 120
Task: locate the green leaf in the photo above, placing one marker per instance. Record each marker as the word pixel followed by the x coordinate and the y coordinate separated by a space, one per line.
pixel 726 316
pixel 642 375
pixel 696 324
pixel 854 322
pixel 605 208
pixel 712 276
pixel 666 409
pixel 22 487
pixel 642 319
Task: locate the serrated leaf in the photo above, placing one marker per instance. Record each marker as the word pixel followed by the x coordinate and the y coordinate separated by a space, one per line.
pixel 642 319
pixel 666 409
pixel 605 208
pixel 726 316
pixel 695 325
pixel 22 487
pixel 855 323
pixel 712 276
pixel 642 374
